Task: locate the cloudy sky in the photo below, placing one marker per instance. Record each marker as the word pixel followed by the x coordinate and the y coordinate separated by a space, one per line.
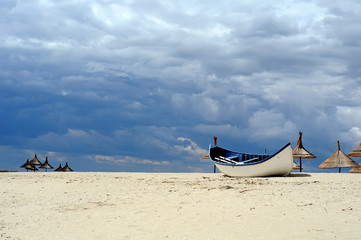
pixel 139 85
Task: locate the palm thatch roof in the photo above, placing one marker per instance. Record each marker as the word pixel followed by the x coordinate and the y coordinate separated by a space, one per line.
pixel 356 169
pixel 46 165
pixel 300 151
pixel 338 160
pixel 35 161
pixel 59 169
pixel 356 152
pixel 66 168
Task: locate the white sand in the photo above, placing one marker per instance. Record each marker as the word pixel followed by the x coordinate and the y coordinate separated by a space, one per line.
pixel 179 206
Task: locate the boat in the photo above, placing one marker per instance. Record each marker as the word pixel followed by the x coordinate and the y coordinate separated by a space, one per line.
pixel 236 164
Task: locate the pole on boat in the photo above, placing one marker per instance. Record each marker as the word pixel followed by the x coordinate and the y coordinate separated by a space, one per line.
pixel 215 144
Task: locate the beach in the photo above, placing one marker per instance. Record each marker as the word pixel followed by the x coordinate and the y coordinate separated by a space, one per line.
pixel 87 205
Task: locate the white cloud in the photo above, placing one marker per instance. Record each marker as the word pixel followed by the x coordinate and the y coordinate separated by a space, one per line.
pixel 268 124
pixel 197 169
pixel 349 116
pixel 190 147
pixel 76 133
pixel 73 140
pixel 351 138
pixel 101 159
pixel 356 131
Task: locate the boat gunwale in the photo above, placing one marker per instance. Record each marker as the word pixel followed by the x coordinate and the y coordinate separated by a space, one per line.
pixel 245 164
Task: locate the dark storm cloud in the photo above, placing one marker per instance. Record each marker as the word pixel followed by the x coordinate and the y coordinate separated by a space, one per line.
pixel 139 83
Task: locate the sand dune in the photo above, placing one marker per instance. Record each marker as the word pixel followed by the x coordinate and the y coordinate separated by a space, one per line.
pixel 178 206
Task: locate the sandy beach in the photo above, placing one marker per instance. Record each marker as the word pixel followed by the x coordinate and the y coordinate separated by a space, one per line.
pixel 179 206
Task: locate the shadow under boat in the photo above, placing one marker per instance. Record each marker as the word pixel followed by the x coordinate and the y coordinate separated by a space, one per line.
pixel 298 175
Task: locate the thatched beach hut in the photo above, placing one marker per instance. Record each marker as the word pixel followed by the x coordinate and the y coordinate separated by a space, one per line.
pixel 46 165
pixel 300 152
pixel 338 160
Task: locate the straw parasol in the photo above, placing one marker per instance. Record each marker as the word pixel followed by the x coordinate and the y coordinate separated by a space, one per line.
pixel 66 168
pixel 338 160
pixel 296 166
pixel 300 152
pixel 59 169
pixel 31 167
pixel 35 161
pixel 46 165
pixel 25 164
pixel 356 169
pixel 356 153
pixel 28 166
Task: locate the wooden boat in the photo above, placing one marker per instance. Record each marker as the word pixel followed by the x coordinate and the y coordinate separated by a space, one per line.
pixel 235 164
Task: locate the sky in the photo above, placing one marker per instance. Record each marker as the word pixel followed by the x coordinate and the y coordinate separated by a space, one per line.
pixel 144 86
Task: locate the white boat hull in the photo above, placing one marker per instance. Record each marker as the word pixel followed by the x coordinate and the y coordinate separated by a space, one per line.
pixel 279 165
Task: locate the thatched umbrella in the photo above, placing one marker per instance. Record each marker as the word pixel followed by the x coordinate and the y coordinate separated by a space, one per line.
pixel 206 156
pixel 59 169
pixel 26 164
pixel 356 169
pixel 31 167
pixel 66 168
pixel 296 166
pixel 35 161
pixel 338 160
pixel 356 153
pixel 300 152
pixel 46 165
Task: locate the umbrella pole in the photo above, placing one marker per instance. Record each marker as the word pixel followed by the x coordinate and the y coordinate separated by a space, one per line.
pixel 214 168
pixel 300 164
pixel 339 170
